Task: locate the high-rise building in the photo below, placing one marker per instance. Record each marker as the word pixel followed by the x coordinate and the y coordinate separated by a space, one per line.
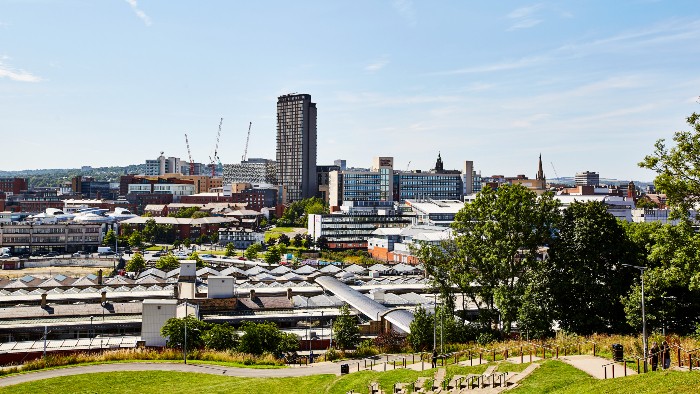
pixel 296 145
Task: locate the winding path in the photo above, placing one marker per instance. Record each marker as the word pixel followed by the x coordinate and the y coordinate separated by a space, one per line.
pixel 315 369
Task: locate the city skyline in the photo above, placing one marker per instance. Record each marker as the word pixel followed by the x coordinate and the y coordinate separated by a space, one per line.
pixel 590 87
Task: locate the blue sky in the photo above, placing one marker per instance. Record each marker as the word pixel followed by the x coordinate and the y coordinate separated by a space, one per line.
pixel 590 84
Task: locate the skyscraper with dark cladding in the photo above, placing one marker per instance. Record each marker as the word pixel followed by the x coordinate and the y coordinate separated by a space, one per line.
pixel 296 145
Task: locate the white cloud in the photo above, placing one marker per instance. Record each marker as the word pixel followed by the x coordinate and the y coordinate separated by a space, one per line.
pixel 406 11
pixel 524 17
pixel 509 65
pixel 524 12
pixel 377 65
pixel 142 15
pixel 528 121
pixel 16 75
pixel 525 24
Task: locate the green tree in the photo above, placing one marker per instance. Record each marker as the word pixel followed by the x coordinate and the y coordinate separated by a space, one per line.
pixel 585 260
pixel 220 337
pixel 259 338
pixel 645 203
pixel 322 243
pixel 672 280
pixel 230 249
pixel 272 256
pixel 251 252
pixel 195 256
pixel 345 330
pixel 296 214
pixel 150 231
pixel 136 264
pixel 421 336
pixel 186 242
pixel 678 168
pixel 135 239
pixel 174 331
pixel 200 214
pixel 283 239
pixel 497 240
pixel 288 343
pixel 167 263
pixel 109 238
pixel 297 240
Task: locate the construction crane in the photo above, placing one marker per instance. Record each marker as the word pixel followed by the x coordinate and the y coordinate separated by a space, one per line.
pixel 555 170
pixel 245 152
pixel 212 160
pixel 187 142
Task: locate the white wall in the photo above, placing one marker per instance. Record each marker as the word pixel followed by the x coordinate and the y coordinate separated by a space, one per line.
pixel 155 314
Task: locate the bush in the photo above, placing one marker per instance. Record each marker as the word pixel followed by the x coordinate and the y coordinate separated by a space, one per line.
pixel 366 349
pixel 333 354
pixel 390 341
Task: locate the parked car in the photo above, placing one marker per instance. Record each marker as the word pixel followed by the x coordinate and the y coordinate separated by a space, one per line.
pixel 52 254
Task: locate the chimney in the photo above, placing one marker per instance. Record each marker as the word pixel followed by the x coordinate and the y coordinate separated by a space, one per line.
pixel 289 294
pixel 252 294
pixel 104 297
pixel 43 300
pixel 99 277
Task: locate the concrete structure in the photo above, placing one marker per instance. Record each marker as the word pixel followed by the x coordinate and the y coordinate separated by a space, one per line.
pixel 394 244
pixel 177 190
pixel 434 212
pixel 61 237
pixel 240 237
pixel 155 314
pixel 254 170
pixel 296 145
pixel 221 287
pixel 382 183
pixel 353 225
pixel 163 165
pixel 587 178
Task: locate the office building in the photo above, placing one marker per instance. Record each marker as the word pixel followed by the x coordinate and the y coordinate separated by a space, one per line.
pixel 163 165
pixel 382 183
pixel 587 178
pixel 255 171
pixel 296 145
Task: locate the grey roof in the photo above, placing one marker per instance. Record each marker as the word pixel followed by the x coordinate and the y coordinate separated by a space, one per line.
pixel 355 269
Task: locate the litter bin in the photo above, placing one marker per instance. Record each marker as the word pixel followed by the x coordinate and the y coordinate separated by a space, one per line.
pixel 618 352
pixel 344 369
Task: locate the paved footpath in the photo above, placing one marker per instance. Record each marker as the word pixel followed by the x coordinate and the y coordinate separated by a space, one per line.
pixel 315 369
pixel 593 366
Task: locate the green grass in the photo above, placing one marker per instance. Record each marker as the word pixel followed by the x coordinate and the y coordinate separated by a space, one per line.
pixel 557 377
pixel 510 367
pixel 171 382
pixel 277 231
pixel 552 377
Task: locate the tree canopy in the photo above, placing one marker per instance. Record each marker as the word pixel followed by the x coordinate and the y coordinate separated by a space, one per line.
pixel 136 264
pixel 296 214
pixel 678 168
pixel 346 333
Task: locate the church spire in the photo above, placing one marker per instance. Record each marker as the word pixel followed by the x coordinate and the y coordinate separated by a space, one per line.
pixel 438 164
pixel 540 172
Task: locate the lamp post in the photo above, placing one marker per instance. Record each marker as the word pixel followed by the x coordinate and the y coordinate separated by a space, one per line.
pixel 434 320
pixel 91 331
pixel 321 324
pixel 184 348
pixel 644 319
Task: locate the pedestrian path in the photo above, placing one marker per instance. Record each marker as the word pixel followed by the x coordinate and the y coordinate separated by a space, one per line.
pixel 596 366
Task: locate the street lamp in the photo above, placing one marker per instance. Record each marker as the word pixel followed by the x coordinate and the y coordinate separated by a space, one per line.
pixel 184 348
pixel 321 324
pixel 91 330
pixel 434 320
pixel 644 319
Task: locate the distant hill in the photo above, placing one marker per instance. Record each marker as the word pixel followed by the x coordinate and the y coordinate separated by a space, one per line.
pixel 58 176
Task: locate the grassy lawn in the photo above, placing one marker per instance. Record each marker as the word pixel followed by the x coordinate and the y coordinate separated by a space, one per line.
pixel 552 377
pixel 172 382
pixel 277 231
pixel 558 377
